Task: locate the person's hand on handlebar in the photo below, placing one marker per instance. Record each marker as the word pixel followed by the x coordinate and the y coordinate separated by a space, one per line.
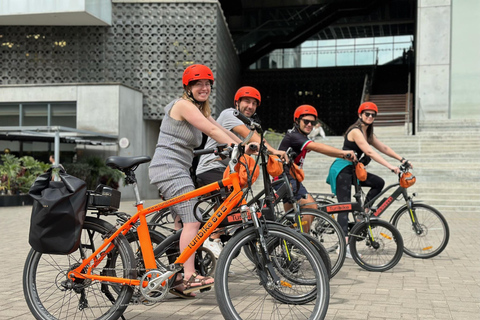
pixel 349 155
pixel 282 155
pixel 394 169
pixel 407 164
pixel 252 148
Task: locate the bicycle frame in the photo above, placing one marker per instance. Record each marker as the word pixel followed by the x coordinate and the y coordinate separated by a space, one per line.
pixel 233 200
pixel 388 201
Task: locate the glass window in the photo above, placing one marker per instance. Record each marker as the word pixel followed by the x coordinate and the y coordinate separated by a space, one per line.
pixel 364 41
pixel 326 57
pixel 35 114
pixel 340 52
pixel 309 58
pixel 9 115
pixel 385 52
pixel 310 44
pixel 291 58
pixel 364 51
pixel 345 52
pixel 64 115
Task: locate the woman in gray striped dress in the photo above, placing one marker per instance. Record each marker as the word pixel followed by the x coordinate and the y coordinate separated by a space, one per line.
pixel 180 132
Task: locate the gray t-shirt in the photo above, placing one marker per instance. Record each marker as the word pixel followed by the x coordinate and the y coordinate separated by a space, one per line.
pixel 228 121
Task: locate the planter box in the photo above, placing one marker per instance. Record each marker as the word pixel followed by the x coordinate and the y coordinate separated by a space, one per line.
pixel 15 200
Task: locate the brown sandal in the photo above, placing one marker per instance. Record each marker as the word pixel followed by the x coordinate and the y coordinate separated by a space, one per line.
pixel 194 280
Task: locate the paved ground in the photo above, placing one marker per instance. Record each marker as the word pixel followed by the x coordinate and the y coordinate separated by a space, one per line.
pixel 445 287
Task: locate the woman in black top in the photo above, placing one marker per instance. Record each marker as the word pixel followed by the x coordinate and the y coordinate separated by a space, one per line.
pixel 360 138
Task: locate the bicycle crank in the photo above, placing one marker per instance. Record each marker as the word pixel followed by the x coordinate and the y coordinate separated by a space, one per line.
pixel 157 285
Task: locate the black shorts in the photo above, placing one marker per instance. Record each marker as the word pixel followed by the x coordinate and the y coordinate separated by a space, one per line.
pixel 210 176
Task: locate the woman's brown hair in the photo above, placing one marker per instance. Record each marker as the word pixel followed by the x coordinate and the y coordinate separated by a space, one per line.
pixel 203 106
pixel 358 124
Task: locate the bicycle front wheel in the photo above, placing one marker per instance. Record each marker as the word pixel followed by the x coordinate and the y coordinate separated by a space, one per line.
pixel 424 230
pixel 375 246
pixel 51 295
pixel 329 234
pixel 256 286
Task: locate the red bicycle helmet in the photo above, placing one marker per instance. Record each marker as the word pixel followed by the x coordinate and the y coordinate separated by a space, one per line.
pixel 250 92
pixel 303 110
pixel 197 72
pixel 367 106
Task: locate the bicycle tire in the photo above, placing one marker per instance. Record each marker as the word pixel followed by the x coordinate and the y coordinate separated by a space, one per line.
pixel 329 234
pixel 243 287
pixel 321 251
pixel 283 257
pixel 380 255
pixel 429 237
pixel 49 295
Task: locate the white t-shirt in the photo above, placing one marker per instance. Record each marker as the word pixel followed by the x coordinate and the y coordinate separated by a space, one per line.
pixel 227 120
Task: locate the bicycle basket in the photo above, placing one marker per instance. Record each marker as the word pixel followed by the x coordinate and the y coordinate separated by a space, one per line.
pixel 104 199
pixel 244 168
pixel 407 180
pixel 274 166
pixel 58 213
pixel 360 171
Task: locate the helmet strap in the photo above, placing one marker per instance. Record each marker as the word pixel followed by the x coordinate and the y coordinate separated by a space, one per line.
pixel 297 126
pixel 363 122
pixel 190 98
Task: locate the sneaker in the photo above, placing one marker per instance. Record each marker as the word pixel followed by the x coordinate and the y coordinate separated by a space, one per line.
pixel 214 245
pixel 348 254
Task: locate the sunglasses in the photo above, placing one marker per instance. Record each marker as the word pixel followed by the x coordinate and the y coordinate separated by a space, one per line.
pixel 307 122
pixel 369 114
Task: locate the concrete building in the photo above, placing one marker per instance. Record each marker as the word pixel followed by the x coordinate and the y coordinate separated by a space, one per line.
pixel 97 72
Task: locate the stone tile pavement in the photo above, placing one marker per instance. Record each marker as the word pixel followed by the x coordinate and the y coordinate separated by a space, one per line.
pixel 444 287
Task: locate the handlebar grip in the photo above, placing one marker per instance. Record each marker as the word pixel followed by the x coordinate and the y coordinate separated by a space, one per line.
pixel 242 117
pixel 253 147
pixel 197 153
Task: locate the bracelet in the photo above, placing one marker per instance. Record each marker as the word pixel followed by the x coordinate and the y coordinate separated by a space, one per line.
pixel 401 160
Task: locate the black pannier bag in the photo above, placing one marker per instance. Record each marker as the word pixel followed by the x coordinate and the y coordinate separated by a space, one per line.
pixel 58 213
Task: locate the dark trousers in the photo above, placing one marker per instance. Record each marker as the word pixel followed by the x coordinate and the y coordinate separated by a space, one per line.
pixel 344 191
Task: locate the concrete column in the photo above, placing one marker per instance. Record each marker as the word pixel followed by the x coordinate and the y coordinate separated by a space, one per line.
pixel 433 59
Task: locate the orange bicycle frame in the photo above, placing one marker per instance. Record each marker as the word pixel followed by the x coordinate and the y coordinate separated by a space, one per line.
pixel 144 235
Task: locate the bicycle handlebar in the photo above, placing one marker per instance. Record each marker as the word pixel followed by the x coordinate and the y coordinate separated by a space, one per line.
pixel 220 150
pixel 252 125
pixel 404 167
pixel 197 153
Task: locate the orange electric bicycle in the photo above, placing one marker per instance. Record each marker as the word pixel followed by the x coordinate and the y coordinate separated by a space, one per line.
pixel 104 276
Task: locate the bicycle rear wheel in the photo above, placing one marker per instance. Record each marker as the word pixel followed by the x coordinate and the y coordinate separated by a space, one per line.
pixel 424 236
pixel 50 295
pixel 375 246
pixel 245 288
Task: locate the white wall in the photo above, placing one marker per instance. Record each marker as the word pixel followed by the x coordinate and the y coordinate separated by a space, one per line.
pixel 447 53
pixel 98 108
pixel 465 72
pixel 56 12
pixel 108 109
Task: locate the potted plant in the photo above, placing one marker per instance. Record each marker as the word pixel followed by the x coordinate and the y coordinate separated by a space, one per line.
pixel 16 177
pixel 94 171
pixel 9 170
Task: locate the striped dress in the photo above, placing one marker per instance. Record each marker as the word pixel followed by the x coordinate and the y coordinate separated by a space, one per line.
pixel 170 167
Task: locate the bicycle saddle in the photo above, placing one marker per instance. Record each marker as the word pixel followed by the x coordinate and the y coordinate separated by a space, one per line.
pixel 126 163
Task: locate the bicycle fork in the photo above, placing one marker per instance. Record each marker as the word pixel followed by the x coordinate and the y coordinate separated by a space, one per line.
pixel 413 217
pixel 268 266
